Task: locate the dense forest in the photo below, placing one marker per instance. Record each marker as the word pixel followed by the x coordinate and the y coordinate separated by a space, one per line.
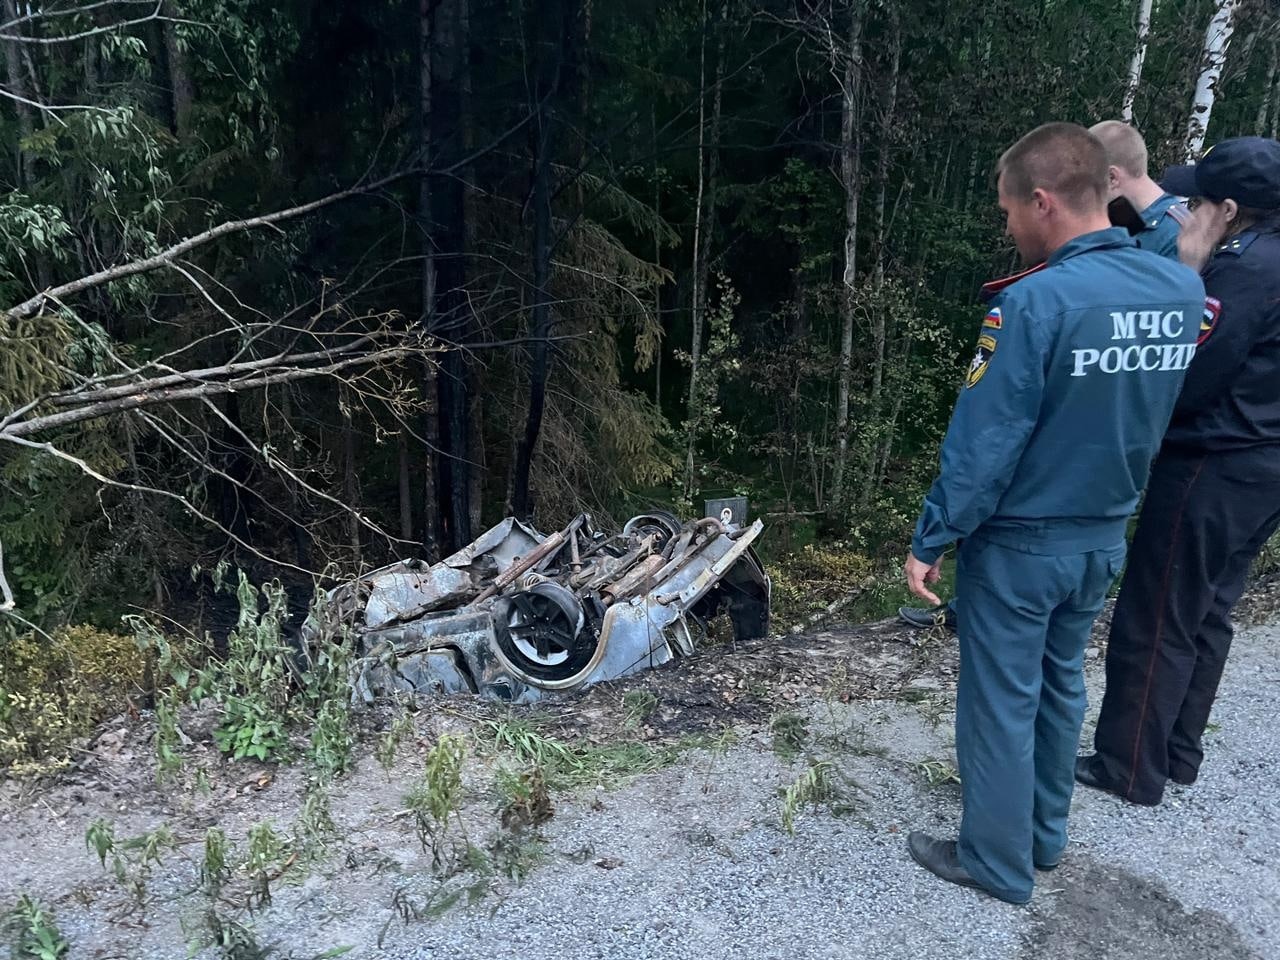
pixel 312 286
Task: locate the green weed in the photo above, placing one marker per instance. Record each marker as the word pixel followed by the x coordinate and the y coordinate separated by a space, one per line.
pixel 34 934
pixel 813 788
pixel 438 795
pixel 637 707
pixel 790 733
pixel 400 730
pixel 936 773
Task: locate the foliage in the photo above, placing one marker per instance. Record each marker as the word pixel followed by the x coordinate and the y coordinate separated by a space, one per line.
pixel 565 766
pixel 398 731
pixel 56 690
pixel 438 794
pixel 252 684
pixel 812 788
pixel 132 859
pixel 215 868
pixel 33 931
pixel 163 129
pixel 810 579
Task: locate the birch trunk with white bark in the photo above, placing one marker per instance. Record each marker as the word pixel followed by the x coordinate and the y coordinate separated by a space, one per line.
pixel 1213 57
pixel 1139 57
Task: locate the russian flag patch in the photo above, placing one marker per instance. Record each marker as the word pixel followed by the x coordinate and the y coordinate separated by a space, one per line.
pixel 993 320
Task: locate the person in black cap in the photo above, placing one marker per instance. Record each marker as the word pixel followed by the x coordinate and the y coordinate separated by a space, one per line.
pixel 1214 496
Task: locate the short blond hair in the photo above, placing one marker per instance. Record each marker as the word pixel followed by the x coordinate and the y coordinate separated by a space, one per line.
pixel 1124 145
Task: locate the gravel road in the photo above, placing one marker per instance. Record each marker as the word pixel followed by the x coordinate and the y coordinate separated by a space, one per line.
pixel 705 871
pixel 692 861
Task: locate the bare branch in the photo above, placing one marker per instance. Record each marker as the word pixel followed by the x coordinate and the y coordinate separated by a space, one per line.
pixel 166 257
pixel 156 491
pixel 70 11
pixel 139 400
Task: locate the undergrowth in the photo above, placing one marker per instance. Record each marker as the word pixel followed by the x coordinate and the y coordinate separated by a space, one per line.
pixel 55 690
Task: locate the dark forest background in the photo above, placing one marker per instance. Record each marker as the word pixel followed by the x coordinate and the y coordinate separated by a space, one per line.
pixel 571 255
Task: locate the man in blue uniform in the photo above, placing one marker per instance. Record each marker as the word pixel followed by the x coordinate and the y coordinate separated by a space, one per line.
pixel 1076 373
pixel 1129 182
pixel 1214 497
pixel 1160 216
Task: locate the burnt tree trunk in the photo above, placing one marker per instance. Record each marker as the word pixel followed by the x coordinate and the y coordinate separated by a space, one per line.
pixel 454 322
pixel 559 31
pixel 431 533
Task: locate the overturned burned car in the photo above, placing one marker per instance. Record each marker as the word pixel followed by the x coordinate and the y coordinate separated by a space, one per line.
pixel 517 613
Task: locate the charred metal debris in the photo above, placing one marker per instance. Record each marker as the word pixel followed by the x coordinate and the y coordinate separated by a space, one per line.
pixel 516 614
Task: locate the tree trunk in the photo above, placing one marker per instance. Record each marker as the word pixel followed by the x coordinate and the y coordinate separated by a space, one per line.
pixel 850 176
pixel 450 97
pixel 879 317
pixel 1213 57
pixel 26 115
pixel 406 489
pixel 657 255
pixel 1261 125
pixel 1135 65
pixel 350 485
pixel 562 32
pixel 430 388
pixel 181 91
pixel 708 150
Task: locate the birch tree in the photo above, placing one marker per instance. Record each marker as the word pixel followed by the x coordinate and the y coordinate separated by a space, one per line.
pixel 1135 65
pixel 1264 126
pixel 1213 57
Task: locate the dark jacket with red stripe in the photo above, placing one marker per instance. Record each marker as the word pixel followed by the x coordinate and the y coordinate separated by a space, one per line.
pixel 1231 397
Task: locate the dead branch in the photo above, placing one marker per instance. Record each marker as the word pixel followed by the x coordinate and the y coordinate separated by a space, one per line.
pixel 138 399
pixel 33 305
pixel 190 507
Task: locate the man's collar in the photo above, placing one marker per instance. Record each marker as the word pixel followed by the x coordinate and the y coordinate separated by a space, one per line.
pixel 1093 240
pixel 1151 215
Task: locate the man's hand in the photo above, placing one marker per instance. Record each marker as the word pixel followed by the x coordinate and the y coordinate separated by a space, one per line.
pixel 1207 227
pixel 920 573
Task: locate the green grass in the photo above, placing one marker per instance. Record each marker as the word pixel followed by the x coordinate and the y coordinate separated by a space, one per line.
pixel 566 766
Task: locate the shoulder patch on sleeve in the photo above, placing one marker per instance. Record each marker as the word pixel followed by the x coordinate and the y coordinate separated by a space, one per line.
pixel 1212 311
pixel 981 360
pixel 994 320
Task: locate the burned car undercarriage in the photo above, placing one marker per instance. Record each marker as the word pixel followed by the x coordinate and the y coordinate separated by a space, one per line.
pixel 515 614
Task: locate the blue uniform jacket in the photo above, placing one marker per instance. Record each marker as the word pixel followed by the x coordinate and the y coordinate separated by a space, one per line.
pixel 1161 233
pixel 1064 405
pixel 1231 398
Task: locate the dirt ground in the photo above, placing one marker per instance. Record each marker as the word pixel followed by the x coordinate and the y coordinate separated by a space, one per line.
pixel 371 887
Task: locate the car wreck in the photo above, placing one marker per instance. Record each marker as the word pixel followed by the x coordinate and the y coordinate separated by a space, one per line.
pixel 517 614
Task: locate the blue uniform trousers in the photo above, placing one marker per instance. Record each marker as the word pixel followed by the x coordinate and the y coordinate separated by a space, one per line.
pixel 1024 621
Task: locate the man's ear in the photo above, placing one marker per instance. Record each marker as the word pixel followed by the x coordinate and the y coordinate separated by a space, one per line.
pixel 1230 210
pixel 1043 202
pixel 1113 176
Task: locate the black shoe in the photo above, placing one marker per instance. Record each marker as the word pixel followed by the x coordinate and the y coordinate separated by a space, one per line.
pixel 925 618
pixel 1046 867
pixel 1089 773
pixel 1183 779
pixel 939 857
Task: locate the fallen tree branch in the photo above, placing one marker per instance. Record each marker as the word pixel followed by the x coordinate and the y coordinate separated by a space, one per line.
pixel 139 400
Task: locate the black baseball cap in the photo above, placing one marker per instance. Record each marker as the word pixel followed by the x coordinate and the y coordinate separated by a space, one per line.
pixel 1243 169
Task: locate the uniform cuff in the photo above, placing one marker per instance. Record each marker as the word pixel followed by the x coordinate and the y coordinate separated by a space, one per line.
pixel 925 554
